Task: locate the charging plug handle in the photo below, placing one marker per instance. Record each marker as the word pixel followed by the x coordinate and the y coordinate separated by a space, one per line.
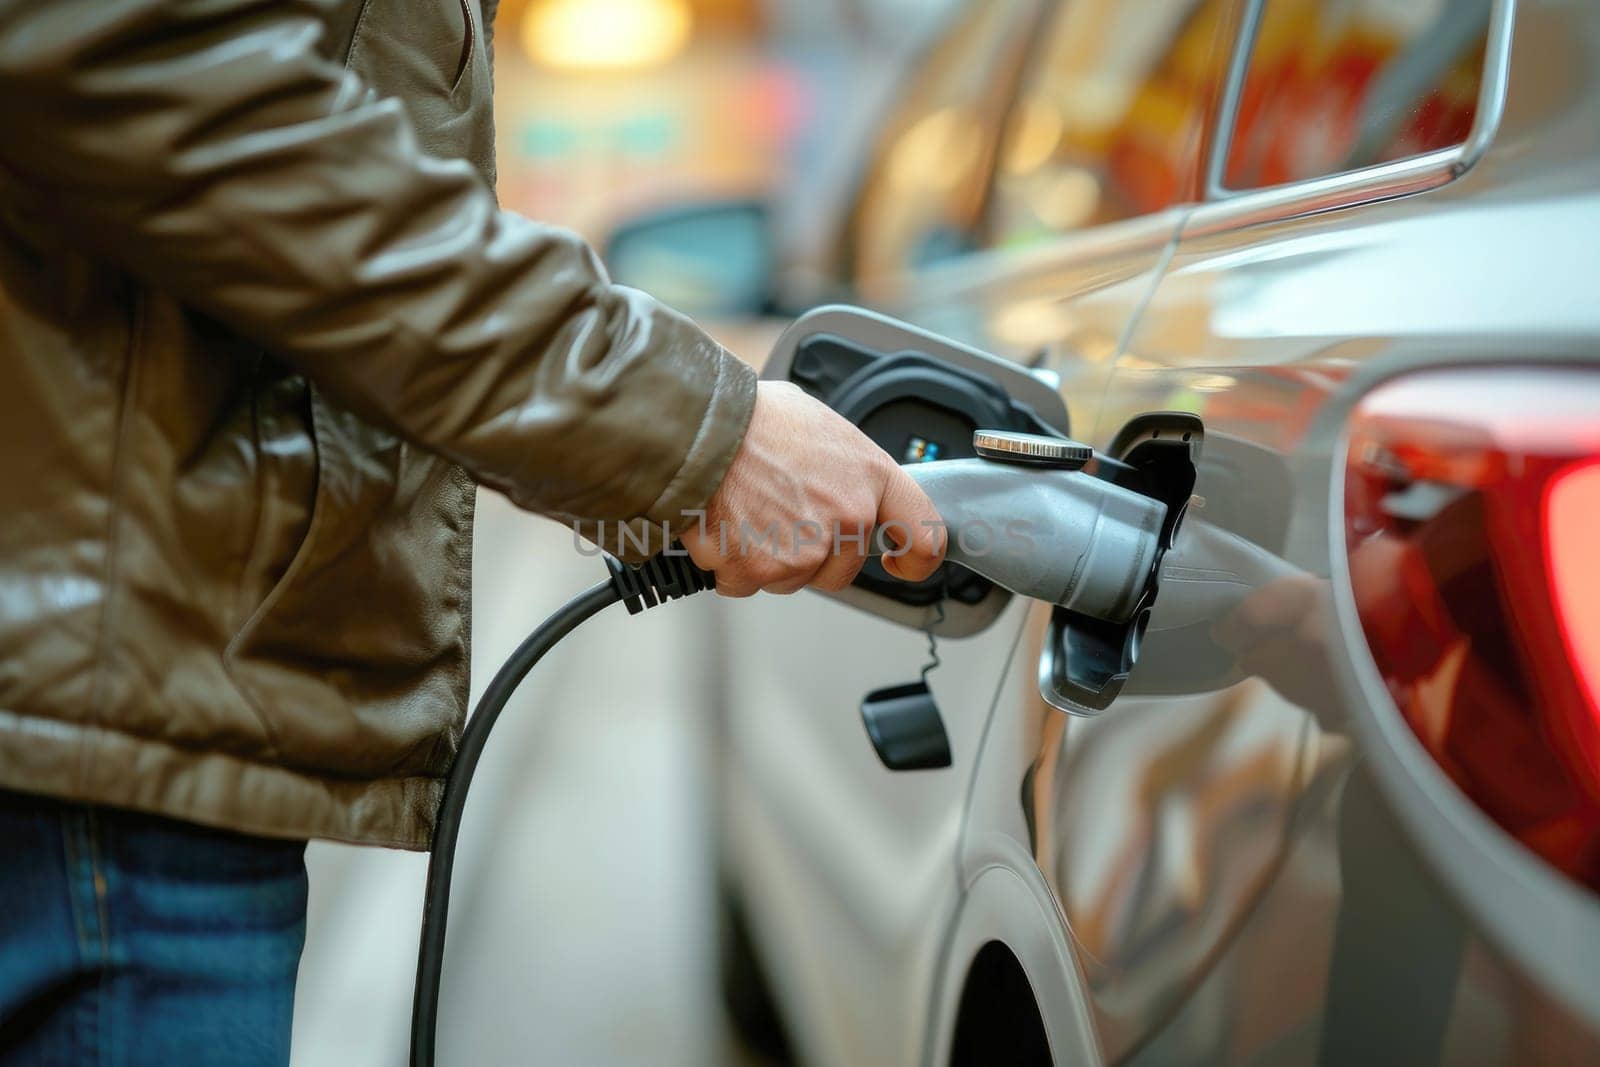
pixel 1054 534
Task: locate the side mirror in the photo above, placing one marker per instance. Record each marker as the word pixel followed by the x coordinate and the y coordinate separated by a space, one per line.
pixel 714 260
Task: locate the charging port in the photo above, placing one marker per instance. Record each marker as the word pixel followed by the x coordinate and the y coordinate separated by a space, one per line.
pixel 1086 661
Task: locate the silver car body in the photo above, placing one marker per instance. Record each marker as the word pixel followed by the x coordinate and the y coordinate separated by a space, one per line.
pixel 1170 875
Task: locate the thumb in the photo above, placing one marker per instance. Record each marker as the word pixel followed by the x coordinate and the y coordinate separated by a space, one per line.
pixel 914 524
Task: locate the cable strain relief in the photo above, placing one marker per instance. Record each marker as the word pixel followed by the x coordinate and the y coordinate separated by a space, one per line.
pixel 671 575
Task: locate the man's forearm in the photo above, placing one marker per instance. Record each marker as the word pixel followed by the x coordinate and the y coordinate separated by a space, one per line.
pixel 215 154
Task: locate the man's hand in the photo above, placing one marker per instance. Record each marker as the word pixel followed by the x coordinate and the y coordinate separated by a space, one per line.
pixel 800 502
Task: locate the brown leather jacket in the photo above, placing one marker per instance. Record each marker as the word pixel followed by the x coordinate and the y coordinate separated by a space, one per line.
pixel 261 328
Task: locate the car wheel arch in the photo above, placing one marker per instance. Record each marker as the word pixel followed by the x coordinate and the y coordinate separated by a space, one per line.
pixel 1003 907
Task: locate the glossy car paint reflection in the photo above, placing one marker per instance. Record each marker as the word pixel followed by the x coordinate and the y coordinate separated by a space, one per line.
pixel 1160 828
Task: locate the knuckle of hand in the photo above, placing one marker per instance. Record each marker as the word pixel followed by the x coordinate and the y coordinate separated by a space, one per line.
pixel 837 580
pixel 768 571
pixel 812 557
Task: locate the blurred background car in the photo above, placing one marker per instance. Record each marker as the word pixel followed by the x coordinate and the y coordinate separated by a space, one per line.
pixel 1353 242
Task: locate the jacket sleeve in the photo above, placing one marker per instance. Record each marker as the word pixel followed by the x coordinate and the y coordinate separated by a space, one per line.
pixel 211 150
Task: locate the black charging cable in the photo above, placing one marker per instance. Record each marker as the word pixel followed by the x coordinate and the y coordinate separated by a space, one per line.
pixel 669 576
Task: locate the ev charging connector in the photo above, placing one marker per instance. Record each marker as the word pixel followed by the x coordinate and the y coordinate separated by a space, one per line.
pixel 1042 529
pixel 1023 515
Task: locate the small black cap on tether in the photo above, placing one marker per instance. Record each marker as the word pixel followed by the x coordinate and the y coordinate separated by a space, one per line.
pixel 905 727
pixel 903 721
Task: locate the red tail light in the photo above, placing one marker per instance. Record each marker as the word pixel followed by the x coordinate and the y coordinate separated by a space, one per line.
pixel 1472 522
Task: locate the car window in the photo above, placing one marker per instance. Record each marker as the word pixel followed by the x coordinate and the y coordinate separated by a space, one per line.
pixel 924 185
pixel 1336 85
pixel 1109 125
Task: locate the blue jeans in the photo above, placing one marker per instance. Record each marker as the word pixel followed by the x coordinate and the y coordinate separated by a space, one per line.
pixel 130 940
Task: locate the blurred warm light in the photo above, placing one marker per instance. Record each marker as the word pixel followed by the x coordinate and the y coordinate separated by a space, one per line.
pixel 605 34
pixel 937 153
pixel 1029 324
pixel 1067 199
pixel 1038 132
pixel 1094 106
pixel 1097 349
